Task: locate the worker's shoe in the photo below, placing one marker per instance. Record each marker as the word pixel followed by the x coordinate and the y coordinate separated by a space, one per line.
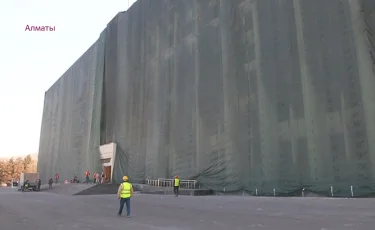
pixel 128 216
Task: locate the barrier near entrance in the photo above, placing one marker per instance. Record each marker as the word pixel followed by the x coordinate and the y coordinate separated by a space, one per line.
pixel 163 182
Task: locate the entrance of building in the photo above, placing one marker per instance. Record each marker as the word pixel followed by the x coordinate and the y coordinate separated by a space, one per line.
pixel 107 158
pixel 107 173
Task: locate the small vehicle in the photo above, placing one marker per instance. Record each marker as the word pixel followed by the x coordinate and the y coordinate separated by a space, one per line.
pixel 31 182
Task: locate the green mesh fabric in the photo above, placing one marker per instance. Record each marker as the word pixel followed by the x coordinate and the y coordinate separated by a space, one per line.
pixel 242 95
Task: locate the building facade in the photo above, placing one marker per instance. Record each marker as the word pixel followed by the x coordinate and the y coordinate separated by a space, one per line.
pixel 240 95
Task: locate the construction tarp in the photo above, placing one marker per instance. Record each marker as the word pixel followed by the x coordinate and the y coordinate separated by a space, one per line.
pixel 263 96
pixel 70 133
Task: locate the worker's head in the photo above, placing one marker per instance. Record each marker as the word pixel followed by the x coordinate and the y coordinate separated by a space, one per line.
pixel 125 178
pixel 176 176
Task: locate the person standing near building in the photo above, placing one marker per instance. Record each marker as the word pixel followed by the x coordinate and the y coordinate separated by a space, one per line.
pixel 25 187
pixel 57 176
pixel 39 183
pixel 50 183
pixel 124 193
pixel 97 178
pixel 176 185
pixel 87 176
pixel 102 178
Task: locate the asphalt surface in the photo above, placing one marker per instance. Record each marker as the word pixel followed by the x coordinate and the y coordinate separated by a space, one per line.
pixel 53 211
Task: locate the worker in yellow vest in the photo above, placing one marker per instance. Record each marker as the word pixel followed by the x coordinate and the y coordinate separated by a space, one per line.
pixel 176 185
pixel 124 193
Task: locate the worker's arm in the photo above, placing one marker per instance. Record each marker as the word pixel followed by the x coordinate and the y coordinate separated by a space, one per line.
pixel 119 191
pixel 131 191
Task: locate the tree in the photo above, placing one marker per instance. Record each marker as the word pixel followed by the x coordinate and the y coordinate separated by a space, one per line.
pixel 10 169
pixel 2 170
pixel 32 168
pixel 13 168
pixel 27 161
pixel 18 167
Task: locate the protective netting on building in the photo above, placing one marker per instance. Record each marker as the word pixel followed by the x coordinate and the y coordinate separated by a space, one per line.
pixel 240 95
pixel 70 134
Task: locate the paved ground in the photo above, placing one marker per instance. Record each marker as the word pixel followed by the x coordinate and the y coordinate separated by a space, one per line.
pixel 52 211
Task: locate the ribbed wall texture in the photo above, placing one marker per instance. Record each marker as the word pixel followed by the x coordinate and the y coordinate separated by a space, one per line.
pixel 240 95
pixel 70 135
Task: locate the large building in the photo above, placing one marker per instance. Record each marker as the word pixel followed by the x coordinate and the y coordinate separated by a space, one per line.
pixel 254 95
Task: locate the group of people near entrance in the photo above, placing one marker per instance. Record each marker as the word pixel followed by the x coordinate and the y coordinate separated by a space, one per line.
pixel 125 192
pixel 98 178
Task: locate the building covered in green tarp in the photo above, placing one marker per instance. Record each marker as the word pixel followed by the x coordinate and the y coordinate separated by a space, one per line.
pixel 241 95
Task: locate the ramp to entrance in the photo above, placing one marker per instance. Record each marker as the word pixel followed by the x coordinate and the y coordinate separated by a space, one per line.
pixel 66 189
pixel 160 186
pixel 142 188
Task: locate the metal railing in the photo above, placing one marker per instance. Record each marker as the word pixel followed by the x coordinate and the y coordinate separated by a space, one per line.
pixel 163 182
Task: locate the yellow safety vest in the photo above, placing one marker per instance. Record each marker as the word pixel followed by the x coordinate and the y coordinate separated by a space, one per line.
pixel 126 190
pixel 176 182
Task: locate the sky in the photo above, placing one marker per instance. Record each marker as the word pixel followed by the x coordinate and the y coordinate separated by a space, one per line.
pixel 31 61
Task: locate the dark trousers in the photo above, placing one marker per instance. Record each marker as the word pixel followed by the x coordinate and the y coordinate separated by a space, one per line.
pixel 175 190
pixel 122 202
